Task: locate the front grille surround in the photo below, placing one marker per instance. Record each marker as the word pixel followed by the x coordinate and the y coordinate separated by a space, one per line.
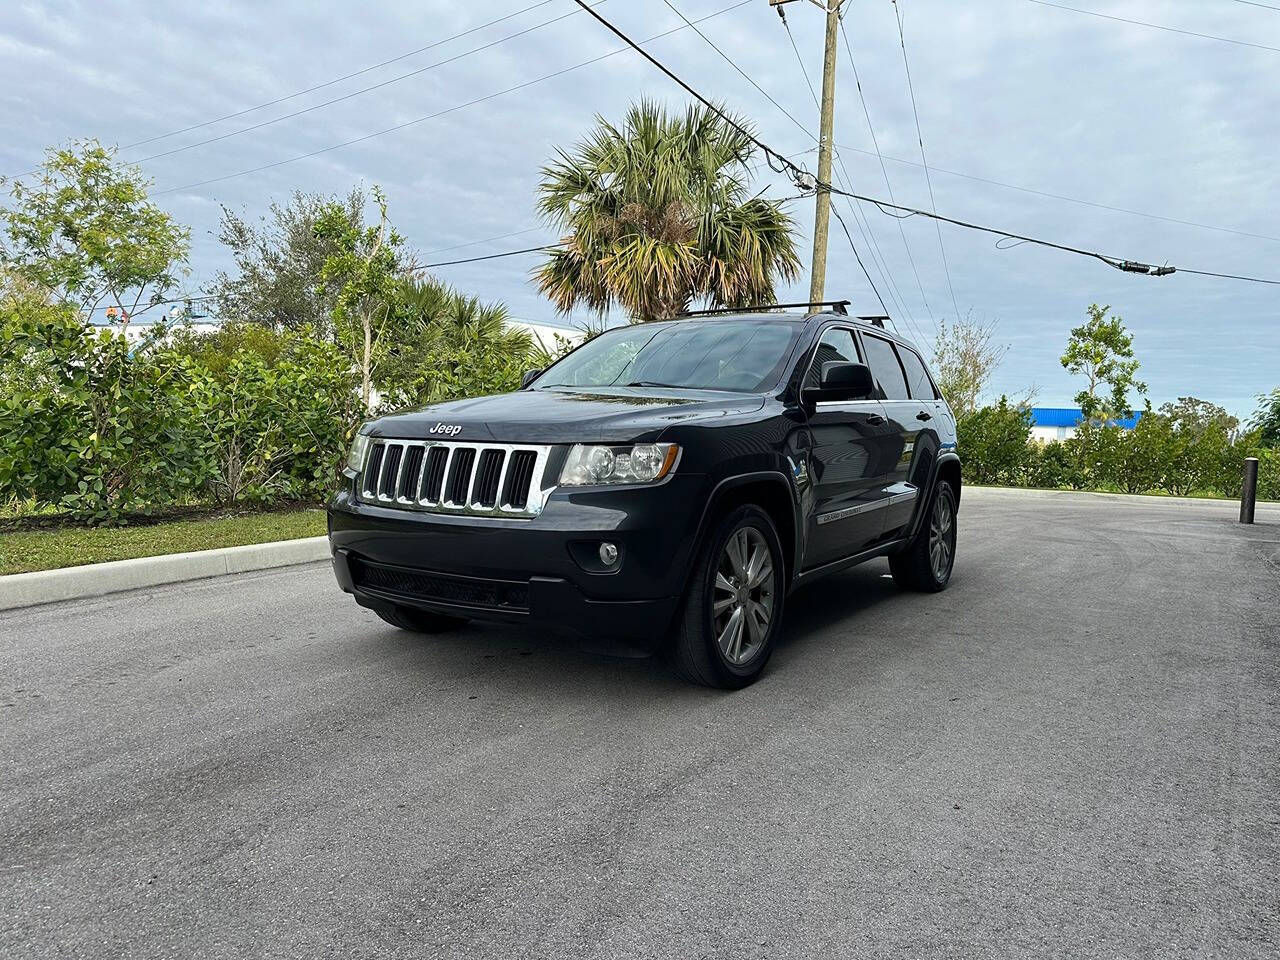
pixel 501 480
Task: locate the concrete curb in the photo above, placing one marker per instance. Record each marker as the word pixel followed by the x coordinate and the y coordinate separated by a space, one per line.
pixel 96 579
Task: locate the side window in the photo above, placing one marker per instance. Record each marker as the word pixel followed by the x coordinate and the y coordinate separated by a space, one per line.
pixel 885 368
pixel 836 344
pixel 917 377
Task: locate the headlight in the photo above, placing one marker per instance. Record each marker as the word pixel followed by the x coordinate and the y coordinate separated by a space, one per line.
pixel 642 463
pixel 355 459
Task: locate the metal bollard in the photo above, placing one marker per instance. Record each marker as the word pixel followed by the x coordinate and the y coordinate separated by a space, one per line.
pixel 1249 493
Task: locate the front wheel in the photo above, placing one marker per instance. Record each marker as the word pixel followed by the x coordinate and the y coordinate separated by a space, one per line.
pixel 925 563
pixel 733 608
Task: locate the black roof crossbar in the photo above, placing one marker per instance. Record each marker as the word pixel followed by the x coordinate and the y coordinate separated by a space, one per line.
pixel 837 306
pixel 877 321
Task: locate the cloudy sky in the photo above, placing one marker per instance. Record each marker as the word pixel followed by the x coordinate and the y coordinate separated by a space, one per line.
pixel 1138 142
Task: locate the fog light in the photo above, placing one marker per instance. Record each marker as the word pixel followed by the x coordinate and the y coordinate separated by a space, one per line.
pixel 608 553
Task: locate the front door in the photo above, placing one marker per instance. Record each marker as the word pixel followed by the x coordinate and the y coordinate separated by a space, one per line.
pixel 847 463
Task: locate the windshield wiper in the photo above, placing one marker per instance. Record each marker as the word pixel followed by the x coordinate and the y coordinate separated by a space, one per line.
pixel 653 383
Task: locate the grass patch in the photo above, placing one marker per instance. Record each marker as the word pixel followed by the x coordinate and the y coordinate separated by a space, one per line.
pixel 26 550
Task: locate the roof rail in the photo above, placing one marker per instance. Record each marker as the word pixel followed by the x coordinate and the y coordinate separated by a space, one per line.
pixel 838 306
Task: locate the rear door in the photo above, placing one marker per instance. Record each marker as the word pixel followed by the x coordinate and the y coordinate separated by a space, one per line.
pixel 847 465
pixel 907 417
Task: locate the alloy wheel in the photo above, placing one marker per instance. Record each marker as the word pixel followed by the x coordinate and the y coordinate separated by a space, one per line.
pixel 942 537
pixel 742 602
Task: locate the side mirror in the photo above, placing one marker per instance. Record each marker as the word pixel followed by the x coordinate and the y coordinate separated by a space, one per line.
pixel 529 377
pixel 843 381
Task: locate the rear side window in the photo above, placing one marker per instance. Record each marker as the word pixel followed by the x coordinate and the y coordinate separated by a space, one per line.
pixel 917 377
pixel 885 368
pixel 836 345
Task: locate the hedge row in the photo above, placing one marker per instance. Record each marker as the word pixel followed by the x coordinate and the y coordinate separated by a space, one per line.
pixel 1161 454
pixel 99 429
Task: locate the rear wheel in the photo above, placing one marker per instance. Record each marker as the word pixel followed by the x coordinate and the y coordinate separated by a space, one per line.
pixel 925 563
pixel 733 608
pixel 419 621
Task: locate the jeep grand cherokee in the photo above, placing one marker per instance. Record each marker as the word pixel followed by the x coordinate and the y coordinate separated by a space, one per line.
pixel 666 483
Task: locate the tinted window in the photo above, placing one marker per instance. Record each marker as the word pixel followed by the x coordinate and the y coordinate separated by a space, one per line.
pixel 917 377
pixel 885 369
pixel 694 355
pixel 835 345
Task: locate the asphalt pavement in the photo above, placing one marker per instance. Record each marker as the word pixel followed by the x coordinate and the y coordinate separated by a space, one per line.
pixel 1073 752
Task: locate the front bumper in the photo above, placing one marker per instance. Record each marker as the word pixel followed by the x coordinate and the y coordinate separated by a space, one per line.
pixel 537 572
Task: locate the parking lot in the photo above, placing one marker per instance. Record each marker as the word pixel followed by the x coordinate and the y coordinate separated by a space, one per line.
pixel 1072 752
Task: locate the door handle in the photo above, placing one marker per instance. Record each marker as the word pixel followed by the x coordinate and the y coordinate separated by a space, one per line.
pixel 875 419
pixel 924 415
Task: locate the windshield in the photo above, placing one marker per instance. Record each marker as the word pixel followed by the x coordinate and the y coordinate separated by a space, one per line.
pixel 743 356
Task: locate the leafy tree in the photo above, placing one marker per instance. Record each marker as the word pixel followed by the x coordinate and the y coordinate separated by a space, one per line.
pixel 364 272
pixel 443 345
pixel 964 358
pixel 1102 351
pixel 1198 445
pixel 658 213
pixel 279 260
pixel 1266 421
pixel 85 231
pixel 993 441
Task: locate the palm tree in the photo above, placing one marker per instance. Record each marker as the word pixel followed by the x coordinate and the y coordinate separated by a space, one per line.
pixel 658 213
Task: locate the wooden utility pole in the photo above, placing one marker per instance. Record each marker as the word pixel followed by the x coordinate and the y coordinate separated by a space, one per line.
pixel 822 201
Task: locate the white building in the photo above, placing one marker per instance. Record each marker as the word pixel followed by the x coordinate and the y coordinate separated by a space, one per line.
pixel 1059 423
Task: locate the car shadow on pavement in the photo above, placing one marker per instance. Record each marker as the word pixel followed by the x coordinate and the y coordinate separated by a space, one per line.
pixel 518 659
pixel 837 600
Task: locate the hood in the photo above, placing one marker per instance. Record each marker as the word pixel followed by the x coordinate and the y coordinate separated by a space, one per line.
pixel 564 415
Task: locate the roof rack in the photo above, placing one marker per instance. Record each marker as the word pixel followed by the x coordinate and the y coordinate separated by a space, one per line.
pixel 837 306
pixel 876 321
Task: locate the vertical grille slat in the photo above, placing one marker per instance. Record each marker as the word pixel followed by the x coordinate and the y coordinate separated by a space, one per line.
pixel 373 470
pixel 439 476
pixel 487 474
pixel 519 475
pixel 459 482
pixel 433 475
pixel 407 487
pixel 390 471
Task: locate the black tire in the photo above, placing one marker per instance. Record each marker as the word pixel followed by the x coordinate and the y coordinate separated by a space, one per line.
pixel 917 566
pixel 696 651
pixel 419 621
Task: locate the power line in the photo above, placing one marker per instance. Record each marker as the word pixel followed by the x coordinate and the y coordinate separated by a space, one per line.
pixel 462 106
pixel 1127 266
pixel 808 182
pixel 1061 196
pixel 844 226
pixel 1254 3
pixel 902 39
pixel 474 243
pixel 790 116
pixel 877 255
pixel 492 256
pixel 356 93
pixel 848 49
pixel 1156 26
pixel 329 83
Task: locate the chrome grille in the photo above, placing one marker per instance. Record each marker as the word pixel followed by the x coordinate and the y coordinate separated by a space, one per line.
pixel 442 476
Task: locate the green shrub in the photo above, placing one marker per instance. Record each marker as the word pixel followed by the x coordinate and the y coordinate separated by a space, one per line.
pixel 273 412
pixel 993 443
pixel 90 427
